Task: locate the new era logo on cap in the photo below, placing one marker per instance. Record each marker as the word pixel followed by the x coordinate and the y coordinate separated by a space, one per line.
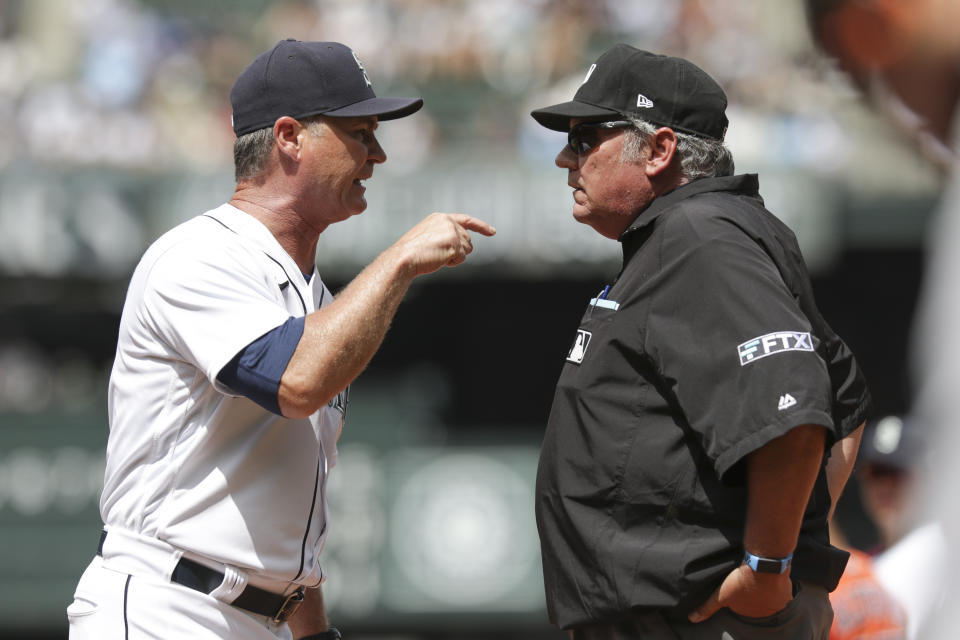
pixel 663 90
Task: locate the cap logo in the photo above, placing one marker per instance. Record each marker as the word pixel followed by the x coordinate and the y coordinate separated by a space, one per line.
pixel 362 70
pixel 887 436
pixel 644 101
pixel 589 73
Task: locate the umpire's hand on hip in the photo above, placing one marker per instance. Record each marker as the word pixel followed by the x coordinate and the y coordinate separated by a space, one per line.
pixel 748 593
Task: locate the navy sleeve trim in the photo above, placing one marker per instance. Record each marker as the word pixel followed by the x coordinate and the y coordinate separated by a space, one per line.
pixel 255 372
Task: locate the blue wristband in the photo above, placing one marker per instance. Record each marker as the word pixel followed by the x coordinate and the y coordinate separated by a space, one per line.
pixel 767 565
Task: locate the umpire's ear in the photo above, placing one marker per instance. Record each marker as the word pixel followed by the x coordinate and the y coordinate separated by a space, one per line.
pixel 660 151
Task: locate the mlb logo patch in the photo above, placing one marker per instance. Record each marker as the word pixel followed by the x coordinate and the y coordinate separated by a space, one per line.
pixel 773 343
pixel 579 348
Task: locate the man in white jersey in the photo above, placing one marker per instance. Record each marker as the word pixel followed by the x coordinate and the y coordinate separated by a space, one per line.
pixel 233 361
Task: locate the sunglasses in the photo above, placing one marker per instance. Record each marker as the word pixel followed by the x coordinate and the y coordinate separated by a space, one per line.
pixel 878 470
pixel 586 135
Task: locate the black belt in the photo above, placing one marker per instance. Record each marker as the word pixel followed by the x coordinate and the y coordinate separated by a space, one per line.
pixel 194 575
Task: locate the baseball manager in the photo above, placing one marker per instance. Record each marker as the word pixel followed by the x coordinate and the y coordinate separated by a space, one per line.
pixel 683 488
pixel 229 388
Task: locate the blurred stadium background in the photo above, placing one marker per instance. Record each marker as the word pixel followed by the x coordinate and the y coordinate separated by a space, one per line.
pixel 114 126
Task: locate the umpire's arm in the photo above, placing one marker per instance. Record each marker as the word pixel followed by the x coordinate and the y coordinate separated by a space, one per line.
pixel 780 477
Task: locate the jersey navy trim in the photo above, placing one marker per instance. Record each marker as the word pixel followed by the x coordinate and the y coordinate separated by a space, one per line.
pixel 299 295
pixel 289 281
pixel 306 532
pixel 126 594
pixel 256 371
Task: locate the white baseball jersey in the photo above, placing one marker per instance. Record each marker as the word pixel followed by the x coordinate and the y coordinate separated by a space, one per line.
pixel 187 462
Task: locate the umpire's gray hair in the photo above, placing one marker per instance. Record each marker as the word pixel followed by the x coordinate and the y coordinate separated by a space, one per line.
pixel 699 157
pixel 252 150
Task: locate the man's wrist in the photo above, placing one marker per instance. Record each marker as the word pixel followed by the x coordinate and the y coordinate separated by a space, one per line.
pixel 399 263
pixel 767 565
pixel 330 634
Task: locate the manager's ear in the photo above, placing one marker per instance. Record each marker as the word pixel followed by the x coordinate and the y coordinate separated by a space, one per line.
pixel 288 133
pixel 661 152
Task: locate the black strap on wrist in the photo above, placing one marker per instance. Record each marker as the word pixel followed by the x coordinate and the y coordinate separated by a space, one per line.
pixel 767 565
pixel 330 634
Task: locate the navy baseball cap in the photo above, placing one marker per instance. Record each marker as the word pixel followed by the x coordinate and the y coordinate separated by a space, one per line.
pixel 301 79
pixel 663 90
pixel 893 442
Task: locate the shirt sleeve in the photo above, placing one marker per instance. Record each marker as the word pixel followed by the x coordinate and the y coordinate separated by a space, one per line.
pixel 734 348
pixel 851 396
pixel 255 372
pixel 209 302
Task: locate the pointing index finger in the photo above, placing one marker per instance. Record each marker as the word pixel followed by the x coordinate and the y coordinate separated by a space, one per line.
pixel 473 224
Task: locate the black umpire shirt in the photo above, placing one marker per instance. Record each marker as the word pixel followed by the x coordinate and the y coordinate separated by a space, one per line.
pixel 707 346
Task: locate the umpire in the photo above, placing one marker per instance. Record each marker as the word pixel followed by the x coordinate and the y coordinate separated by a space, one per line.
pixel 706 417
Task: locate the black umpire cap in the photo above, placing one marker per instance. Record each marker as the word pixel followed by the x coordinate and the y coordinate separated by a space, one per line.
pixel 301 79
pixel 663 90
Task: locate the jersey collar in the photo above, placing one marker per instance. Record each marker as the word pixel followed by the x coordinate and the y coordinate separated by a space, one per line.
pixel 249 227
pixel 639 230
pixel 746 184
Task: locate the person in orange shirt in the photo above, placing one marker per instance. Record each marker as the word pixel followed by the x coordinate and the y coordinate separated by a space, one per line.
pixel 862 608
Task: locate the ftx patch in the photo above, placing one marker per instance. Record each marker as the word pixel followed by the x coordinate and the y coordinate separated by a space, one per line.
pixel 774 343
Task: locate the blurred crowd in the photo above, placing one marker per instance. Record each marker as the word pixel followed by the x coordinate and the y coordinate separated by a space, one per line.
pixel 895 578
pixel 143 84
pixel 115 118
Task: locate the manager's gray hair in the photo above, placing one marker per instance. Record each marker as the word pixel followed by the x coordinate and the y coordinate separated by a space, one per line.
pixel 699 157
pixel 252 150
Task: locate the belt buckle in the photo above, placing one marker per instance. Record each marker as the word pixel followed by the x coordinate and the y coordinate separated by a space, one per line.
pixel 289 606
